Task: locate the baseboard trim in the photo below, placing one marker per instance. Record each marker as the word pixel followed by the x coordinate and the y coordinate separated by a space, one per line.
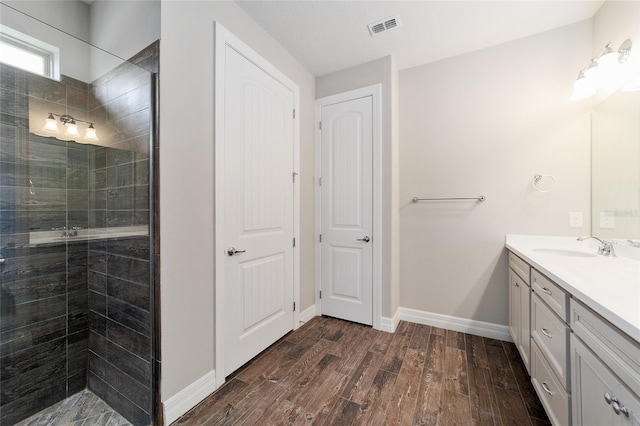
pixel 479 328
pixel 308 313
pixel 189 397
pixel 390 324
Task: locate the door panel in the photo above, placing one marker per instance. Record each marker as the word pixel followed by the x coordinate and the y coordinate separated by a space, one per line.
pixel 347 210
pixel 258 216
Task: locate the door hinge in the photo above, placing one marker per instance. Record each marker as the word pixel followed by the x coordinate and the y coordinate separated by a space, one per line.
pixel 320 294
pixel 294 176
pixel 320 237
pixel 320 125
pixel 294 242
pixel 320 181
pixel 294 113
pixel 294 306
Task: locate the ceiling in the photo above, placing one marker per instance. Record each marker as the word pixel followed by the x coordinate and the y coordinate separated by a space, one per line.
pixel 327 36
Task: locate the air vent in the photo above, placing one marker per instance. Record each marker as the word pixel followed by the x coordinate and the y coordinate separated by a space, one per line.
pixel 384 25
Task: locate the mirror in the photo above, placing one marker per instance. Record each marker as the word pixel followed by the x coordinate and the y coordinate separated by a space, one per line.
pixel 615 170
pixel 91 183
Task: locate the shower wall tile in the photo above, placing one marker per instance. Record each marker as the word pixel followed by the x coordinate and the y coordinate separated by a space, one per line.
pixel 117 401
pixel 15 340
pixel 45 393
pixel 29 313
pixel 21 372
pixel 47 89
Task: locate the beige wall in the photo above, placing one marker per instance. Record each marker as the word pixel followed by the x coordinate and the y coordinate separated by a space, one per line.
pixel 485 123
pixel 186 179
pixel 381 71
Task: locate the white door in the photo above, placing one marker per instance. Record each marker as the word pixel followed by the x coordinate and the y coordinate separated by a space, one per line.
pixel 259 209
pixel 347 210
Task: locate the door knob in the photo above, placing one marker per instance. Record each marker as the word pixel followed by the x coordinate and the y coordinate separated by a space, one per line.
pixel 366 239
pixel 232 251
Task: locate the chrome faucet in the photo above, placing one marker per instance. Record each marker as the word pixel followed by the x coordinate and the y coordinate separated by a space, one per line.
pixel 66 233
pixel 606 247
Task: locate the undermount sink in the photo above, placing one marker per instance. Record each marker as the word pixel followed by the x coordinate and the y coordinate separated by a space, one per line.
pixel 565 252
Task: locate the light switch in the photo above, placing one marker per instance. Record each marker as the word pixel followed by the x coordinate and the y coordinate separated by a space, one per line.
pixel 575 220
pixel 607 220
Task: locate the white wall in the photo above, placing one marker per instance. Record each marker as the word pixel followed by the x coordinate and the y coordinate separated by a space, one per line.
pixel 123 28
pixel 485 123
pixel 71 16
pixel 186 179
pixel 379 71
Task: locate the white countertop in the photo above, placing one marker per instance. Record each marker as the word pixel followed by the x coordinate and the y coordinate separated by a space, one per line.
pixel 608 285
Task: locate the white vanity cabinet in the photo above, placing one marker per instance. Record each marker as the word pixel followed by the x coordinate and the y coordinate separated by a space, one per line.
pixel 599 396
pixel 606 371
pixel 585 370
pixel 520 307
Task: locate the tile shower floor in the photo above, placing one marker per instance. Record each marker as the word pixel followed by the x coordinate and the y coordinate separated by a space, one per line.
pixel 83 408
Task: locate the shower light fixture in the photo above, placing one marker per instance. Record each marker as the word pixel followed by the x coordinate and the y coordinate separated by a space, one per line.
pixel 51 126
pixel 603 70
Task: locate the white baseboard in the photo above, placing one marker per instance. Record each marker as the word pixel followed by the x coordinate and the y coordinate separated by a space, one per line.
pixel 189 397
pixel 479 328
pixel 390 324
pixel 308 313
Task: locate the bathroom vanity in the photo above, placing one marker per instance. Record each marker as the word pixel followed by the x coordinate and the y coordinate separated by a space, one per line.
pixel 574 316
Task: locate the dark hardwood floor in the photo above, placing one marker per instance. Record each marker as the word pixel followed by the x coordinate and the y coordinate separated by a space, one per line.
pixel 333 372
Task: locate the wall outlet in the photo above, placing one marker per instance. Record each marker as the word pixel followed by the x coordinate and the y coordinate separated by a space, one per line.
pixel 607 220
pixel 575 220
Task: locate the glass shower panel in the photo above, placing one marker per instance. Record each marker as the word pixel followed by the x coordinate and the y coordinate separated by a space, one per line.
pixel 75 268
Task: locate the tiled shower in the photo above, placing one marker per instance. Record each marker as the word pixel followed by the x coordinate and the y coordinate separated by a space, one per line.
pixel 76 280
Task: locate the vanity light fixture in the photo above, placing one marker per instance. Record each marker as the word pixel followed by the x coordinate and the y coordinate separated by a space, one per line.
pixel 603 70
pixel 51 126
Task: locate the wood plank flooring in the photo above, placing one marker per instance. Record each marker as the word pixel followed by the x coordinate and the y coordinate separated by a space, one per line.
pixel 333 372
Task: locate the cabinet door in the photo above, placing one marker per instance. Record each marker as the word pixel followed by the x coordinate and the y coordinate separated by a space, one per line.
pixel 524 345
pixel 632 406
pixel 597 393
pixel 515 323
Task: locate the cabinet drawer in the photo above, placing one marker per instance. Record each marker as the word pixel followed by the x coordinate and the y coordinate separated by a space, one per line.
pixel 618 351
pixel 552 295
pixel 554 398
pixel 520 267
pixel 552 336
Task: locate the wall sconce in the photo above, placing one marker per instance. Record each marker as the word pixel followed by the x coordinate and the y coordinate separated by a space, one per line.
pixel 603 70
pixel 71 127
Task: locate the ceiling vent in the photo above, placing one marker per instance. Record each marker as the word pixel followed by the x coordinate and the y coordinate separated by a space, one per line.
pixel 386 24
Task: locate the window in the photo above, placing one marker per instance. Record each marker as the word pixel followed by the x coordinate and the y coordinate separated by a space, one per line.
pixel 30 54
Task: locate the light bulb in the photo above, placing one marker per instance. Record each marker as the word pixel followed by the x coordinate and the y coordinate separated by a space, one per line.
pixel 51 125
pixel 582 88
pixel 91 133
pixel 72 130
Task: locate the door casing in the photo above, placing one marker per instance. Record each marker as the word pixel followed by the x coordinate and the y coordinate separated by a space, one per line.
pixel 224 38
pixel 375 91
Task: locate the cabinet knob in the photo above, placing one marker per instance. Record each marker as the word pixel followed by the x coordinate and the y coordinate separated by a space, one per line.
pixel 617 408
pixel 607 398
